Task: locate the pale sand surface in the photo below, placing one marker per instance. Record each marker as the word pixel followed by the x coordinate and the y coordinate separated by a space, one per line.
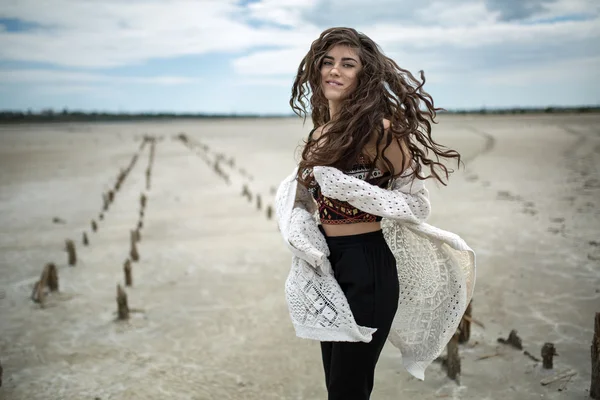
pixel 210 280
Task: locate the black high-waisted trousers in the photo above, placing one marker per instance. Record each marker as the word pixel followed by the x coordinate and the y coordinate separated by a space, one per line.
pixel 365 268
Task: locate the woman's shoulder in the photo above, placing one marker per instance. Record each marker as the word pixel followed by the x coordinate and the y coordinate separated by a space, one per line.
pixel 397 151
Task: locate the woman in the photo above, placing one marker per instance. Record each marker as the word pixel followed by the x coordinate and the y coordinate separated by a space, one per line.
pixel 370 138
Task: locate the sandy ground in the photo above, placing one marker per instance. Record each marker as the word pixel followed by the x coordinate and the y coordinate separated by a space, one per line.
pixel 212 321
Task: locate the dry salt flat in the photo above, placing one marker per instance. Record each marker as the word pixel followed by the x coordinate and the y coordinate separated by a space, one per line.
pixel 210 318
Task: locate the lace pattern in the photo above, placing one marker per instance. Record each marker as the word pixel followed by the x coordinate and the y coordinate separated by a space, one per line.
pixel 436 268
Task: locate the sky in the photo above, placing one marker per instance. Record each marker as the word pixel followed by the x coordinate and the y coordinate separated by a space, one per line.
pixel 221 56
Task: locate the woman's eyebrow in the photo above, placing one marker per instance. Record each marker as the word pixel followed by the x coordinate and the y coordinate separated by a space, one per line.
pixel 343 58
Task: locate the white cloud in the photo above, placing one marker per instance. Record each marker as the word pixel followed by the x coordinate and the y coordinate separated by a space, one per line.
pixel 270 62
pixel 433 48
pixel 492 42
pixel 113 33
pixel 569 71
pixel 280 12
pixel 52 76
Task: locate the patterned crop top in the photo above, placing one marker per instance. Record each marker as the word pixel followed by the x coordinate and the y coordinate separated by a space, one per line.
pixel 336 212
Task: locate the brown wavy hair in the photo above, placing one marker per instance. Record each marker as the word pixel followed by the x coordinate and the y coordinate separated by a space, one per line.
pixel 384 90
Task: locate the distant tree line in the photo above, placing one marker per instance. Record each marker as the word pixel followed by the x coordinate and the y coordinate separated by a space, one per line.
pixel 529 110
pixel 49 115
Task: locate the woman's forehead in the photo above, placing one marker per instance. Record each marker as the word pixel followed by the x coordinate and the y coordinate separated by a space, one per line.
pixel 342 50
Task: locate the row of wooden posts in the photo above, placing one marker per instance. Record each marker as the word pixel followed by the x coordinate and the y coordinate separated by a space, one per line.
pixel 203 151
pixel 109 197
pixel 452 360
pixel 135 236
pixel 48 281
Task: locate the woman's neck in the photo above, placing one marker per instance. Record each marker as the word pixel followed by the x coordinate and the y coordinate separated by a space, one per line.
pixel 333 111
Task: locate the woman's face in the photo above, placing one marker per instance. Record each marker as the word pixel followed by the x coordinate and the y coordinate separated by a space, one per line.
pixel 339 72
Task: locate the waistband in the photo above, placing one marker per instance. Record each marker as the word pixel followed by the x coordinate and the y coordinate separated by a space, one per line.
pixel 360 238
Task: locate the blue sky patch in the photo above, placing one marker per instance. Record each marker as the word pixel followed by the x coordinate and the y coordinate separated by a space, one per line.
pixel 17 25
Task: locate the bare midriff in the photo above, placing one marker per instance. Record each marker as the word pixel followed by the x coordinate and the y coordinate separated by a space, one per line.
pixel 351 229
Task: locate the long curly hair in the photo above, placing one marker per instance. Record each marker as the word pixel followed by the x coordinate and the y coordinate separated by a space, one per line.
pixel 384 90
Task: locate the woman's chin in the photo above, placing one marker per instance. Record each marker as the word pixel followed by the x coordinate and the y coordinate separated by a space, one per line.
pixel 333 96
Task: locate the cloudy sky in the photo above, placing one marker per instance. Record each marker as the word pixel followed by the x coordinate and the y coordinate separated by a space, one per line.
pixel 240 56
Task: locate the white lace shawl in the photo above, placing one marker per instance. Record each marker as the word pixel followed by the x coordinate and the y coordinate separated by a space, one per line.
pixel 436 268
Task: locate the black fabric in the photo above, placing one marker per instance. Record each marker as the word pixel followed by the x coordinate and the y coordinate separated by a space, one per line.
pixel 365 268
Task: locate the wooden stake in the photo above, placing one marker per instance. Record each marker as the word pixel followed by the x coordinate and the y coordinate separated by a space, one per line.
pixel 143 200
pixel 122 307
pixel 548 351
pixel 48 279
pixel 269 212
pixel 595 350
pixel 246 193
pixel 148 173
pixel 94 226
pixel 52 277
pixel 85 239
pixel 127 270
pixel 258 202
pixel 105 202
pixel 464 328
pixel 453 360
pixel 513 340
pixel 70 247
pixel 133 253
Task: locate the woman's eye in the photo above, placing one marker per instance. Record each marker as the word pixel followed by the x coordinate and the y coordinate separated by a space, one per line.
pixel 349 65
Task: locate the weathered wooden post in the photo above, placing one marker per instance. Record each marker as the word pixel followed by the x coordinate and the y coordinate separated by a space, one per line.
pixel 70 248
pixel 137 235
pixel 464 327
pixel 453 360
pixel 595 384
pixel 133 253
pixel 104 202
pixel 148 172
pixel 127 270
pixel 513 340
pixel 48 279
pixel 258 202
pixel 548 352
pixel 85 239
pixel 269 212
pixel 111 196
pixel 143 200
pixel 122 307
pixel 37 294
pixel 52 277
pixel 246 193
pixel 94 226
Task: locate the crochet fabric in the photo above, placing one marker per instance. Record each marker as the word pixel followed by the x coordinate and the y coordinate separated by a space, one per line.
pixel 436 269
